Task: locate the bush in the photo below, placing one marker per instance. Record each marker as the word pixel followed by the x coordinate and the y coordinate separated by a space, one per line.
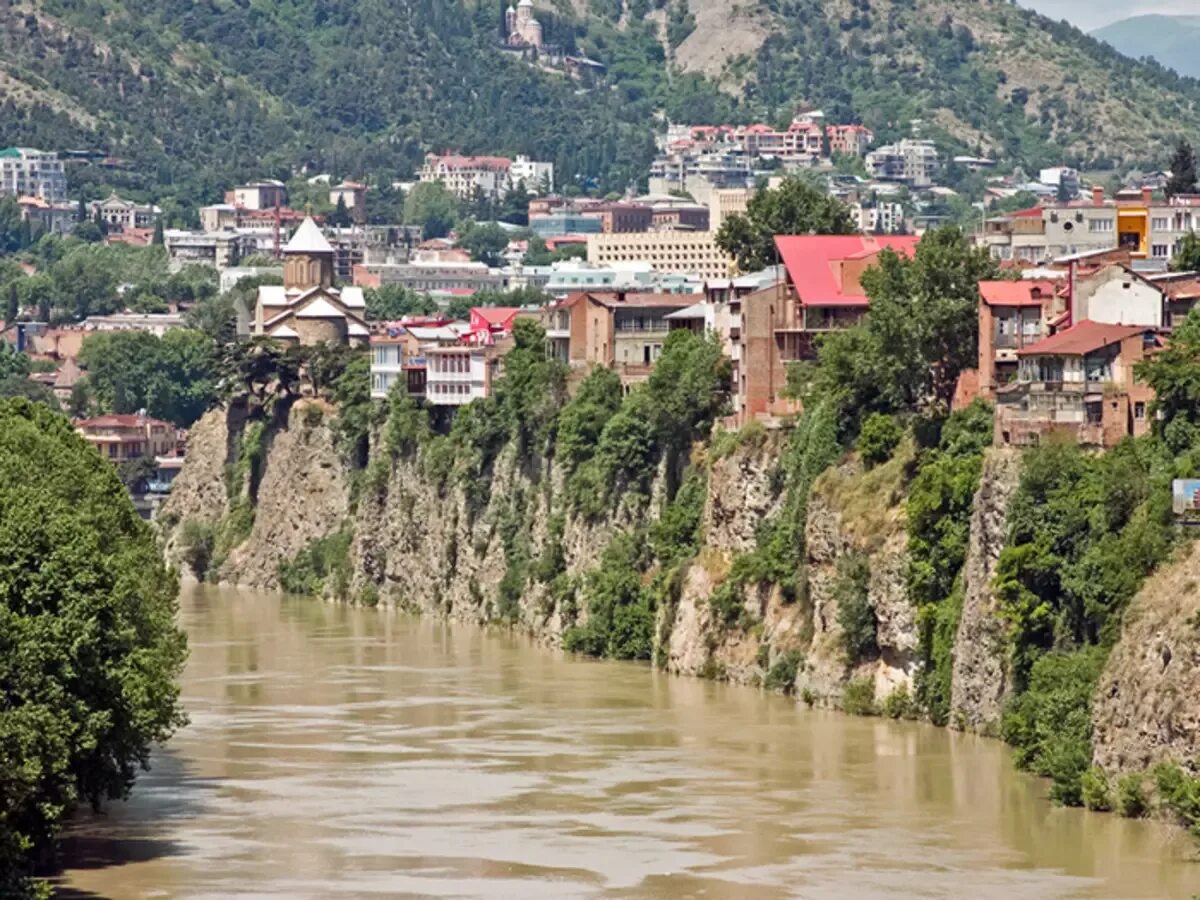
pixel 855 614
pixel 322 568
pixel 1050 723
pixel 196 542
pixel 858 698
pixel 1131 796
pixel 1095 791
pixel 899 704
pixel 878 438
pixel 620 620
pixel 782 675
pixel 1179 793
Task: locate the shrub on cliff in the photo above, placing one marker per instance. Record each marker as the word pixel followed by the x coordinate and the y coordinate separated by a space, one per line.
pixel 1050 723
pixel 89 652
pixel 878 438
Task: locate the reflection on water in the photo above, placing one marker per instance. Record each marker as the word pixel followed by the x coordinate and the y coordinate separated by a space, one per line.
pixel 341 752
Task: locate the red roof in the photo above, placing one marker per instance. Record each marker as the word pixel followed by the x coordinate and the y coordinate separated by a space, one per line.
pixel 811 261
pixel 1016 293
pixel 638 299
pixel 495 316
pixel 1082 338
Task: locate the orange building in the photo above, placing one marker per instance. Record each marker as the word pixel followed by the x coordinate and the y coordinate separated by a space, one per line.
pixel 124 437
pixel 624 331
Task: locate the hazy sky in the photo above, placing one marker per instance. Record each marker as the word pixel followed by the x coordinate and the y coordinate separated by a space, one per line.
pixel 1089 14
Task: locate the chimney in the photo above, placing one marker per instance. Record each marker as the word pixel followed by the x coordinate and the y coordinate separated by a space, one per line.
pixel 1097 195
pixel 1147 196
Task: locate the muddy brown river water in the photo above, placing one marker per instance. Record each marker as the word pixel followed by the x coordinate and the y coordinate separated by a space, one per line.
pixel 339 752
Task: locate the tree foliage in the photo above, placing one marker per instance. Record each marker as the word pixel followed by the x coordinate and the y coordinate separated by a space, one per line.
pixel 174 377
pixel 797 206
pixel 89 652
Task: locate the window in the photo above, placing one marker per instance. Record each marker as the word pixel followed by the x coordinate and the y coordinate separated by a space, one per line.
pixel 1160 223
pixel 1139 410
pixel 1101 225
pixel 1160 251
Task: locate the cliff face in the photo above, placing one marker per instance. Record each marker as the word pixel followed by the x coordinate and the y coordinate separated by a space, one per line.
pixel 980 684
pixel 444 551
pixel 1147 703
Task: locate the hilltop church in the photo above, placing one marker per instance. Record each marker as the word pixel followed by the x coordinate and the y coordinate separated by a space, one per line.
pixel 307 308
pixel 523 29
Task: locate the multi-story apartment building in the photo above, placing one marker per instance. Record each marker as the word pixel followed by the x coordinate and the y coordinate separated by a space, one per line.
pixel 455 374
pixel 683 252
pixel 914 162
pixel 1078 384
pixel 258 195
pixel 429 275
pixel 1012 315
pixel 25 172
pixel 463 176
pixel 725 203
pixel 778 324
pixel 621 331
pixel 849 140
pixel 1134 221
pixel 219 249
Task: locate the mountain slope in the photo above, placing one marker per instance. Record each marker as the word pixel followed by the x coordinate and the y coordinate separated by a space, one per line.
pixel 1170 40
pixel 196 93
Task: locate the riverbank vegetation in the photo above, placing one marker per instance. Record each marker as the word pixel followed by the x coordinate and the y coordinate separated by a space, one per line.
pixel 89 651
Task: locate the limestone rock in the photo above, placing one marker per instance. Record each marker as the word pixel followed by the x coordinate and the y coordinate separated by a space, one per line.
pixel 980 682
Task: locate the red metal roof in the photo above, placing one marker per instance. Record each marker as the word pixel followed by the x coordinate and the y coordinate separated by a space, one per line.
pixel 1016 293
pixel 496 316
pixel 1082 338
pixel 810 260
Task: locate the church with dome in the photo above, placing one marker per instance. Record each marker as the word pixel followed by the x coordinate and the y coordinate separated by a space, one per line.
pixel 523 29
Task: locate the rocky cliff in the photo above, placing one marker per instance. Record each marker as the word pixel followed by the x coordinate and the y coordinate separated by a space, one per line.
pixel 513 550
pixel 980 683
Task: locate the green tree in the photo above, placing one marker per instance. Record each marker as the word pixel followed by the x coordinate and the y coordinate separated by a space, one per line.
pixel 394 301
pixel 1187 254
pixel 1183 170
pixel 12 362
pixel 1174 373
pixel 920 333
pixel 174 377
pixel 484 242
pixel 432 207
pixel 159 238
pixel 89 652
pixel 340 217
pixel 12 306
pixel 795 207
pixel 21 386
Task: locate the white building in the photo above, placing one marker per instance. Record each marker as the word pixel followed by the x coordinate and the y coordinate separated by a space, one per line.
pixel 883 217
pixel 456 375
pixel 120 214
pixel 259 195
pixel 1063 178
pixel 532 173
pixel 464 175
pixel 25 172
pixel 387 364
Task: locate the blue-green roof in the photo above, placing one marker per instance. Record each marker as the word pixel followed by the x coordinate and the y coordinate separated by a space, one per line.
pixel 12 152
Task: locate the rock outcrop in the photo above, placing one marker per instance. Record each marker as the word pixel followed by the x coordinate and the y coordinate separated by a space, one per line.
pixel 1147 703
pixel 980 683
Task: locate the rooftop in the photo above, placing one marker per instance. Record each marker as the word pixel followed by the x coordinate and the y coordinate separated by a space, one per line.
pixel 1016 293
pixel 308 239
pixel 1082 338
pixel 813 264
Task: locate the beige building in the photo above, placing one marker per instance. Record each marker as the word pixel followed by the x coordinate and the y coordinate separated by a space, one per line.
pixel 680 252
pixel 726 202
pixel 307 308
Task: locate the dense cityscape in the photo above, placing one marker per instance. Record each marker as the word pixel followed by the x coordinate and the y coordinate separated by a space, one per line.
pixel 883 404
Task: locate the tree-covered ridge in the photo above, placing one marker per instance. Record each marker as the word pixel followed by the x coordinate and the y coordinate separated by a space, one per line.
pixel 192 96
pixel 196 95
pixel 983 74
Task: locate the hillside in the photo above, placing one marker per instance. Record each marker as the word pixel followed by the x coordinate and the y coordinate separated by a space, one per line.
pixel 194 93
pixel 1169 40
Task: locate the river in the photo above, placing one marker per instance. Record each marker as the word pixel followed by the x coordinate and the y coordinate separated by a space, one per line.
pixel 337 752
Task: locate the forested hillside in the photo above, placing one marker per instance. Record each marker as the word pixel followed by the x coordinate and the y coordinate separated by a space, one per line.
pixel 192 94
